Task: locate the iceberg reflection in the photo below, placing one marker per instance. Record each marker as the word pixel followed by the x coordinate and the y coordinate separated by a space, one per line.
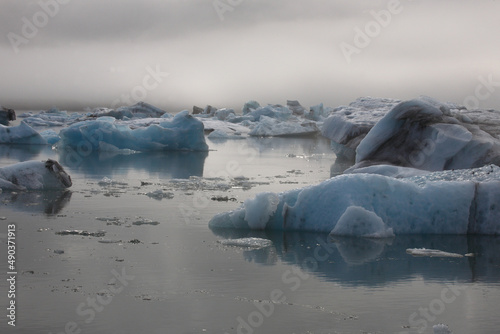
pixel 180 165
pixel 50 202
pixel 368 262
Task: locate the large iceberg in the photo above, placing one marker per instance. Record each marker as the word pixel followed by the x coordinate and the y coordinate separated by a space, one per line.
pixel 51 117
pixel 268 127
pixel 23 134
pixel 451 202
pixel 180 133
pixel 34 175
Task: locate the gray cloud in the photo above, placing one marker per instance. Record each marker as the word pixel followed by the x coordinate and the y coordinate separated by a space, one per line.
pixel 93 53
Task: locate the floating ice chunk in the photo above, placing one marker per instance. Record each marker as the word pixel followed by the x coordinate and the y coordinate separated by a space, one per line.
pixel 268 127
pixel 441 329
pixel 295 107
pixel 106 181
pixel 23 134
pixel 160 194
pixel 247 242
pixel 34 175
pixel 182 132
pixel 431 252
pixel 223 113
pixel 219 134
pixel 359 222
pixel 408 206
pixel 273 111
pixel 250 106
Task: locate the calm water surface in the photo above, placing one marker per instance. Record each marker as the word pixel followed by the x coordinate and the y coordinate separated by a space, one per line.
pixel 175 277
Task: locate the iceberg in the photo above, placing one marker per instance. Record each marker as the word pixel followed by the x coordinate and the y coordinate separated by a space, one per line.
pixel 451 202
pixel 23 134
pixel 34 175
pixel 138 110
pixel 180 133
pixel 268 127
pixel 51 117
pixel 423 133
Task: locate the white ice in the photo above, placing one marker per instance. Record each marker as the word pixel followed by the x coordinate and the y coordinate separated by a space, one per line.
pixel 34 175
pixel 426 204
pixel 247 242
pixel 431 252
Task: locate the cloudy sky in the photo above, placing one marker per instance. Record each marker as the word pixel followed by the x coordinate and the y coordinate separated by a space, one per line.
pixel 179 53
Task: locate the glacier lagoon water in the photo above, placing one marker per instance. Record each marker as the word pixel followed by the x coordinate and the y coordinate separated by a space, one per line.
pixel 150 264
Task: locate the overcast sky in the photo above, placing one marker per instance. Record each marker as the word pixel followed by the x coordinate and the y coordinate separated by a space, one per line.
pixel 180 53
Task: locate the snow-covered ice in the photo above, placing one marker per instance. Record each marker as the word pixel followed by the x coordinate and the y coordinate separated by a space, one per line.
pixel 34 175
pixel 426 204
pixel 182 132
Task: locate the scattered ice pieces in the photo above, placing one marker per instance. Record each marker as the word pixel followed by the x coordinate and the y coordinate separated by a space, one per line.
pixel 58 251
pixel 82 233
pixel 247 242
pixel 144 221
pixel 441 329
pixel 109 241
pixel 106 181
pixel 431 253
pixel 160 194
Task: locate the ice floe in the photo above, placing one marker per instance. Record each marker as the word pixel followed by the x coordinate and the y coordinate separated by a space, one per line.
pixel 247 242
pixel 431 253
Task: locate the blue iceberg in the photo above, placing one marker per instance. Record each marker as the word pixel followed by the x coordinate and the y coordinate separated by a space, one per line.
pixel 180 133
pixel 450 202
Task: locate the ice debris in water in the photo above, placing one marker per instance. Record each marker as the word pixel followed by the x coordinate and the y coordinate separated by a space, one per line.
pixel 247 242
pixel 144 221
pixel 82 233
pixel 160 194
pixel 431 252
pixel 441 329
pixel 106 181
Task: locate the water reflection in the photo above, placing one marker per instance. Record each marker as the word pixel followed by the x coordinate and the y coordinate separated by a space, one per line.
pixel 18 153
pixel 358 261
pixel 50 202
pixel 180 165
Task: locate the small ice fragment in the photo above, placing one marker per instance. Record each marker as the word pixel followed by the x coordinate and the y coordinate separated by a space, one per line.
pixel 144 221
pixel 441 329
pixel 58 251
pixel 431 252
pixel 247 242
